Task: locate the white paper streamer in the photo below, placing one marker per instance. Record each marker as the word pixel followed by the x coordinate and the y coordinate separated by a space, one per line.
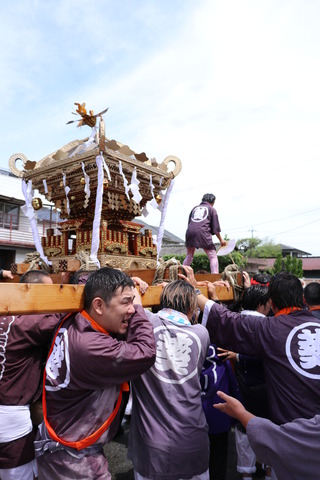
pixel 97 212
pixel 86 187
pixel 151 203
pixel 45 186
pixel 106 169
pixel 145 211
pixel 91 138
pixel 151 186
pixel 134 187
pixel 163 217
pixel 125 181
pixel 82 148
pixel 67 190
pixel 28 210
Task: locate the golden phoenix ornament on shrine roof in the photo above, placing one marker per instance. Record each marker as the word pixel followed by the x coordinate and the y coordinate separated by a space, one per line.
pixel 86 118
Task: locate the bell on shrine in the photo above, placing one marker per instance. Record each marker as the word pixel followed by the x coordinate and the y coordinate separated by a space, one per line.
pixel 36 203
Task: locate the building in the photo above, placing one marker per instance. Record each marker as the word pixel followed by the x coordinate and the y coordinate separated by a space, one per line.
pixel 16 238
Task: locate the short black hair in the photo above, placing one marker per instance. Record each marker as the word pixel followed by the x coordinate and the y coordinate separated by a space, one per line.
pixel 208 197
pixel 254 296
pixel 262 278
pixel 312 294
pixel 33 276
pixel 286 290
pixel 103 283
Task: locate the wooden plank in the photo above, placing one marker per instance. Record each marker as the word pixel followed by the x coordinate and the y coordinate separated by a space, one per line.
pixel 152 295
pixel 145 274
pixel 25 298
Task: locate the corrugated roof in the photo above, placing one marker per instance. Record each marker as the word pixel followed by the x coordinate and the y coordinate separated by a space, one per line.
pixel 45 214
pixel 10 186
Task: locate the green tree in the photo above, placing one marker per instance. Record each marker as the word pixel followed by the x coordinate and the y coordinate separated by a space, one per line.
pixel 257 248
pixel 201 261
pixel 289 265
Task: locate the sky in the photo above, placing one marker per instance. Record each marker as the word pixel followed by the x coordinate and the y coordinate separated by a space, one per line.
pixel 230 87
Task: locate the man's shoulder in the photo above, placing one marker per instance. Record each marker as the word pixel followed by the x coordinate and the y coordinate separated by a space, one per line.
pixel 201 332
pixel 32 322
pixel 300 316
pixel 316 313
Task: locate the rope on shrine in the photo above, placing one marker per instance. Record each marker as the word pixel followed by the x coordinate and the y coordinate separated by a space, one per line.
pixel 85 262
pixel 36 262
pixel 230 274
pixel 173 265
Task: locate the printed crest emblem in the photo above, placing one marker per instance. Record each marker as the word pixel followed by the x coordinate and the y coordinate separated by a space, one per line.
pixel 174 346
pixel 5 324
pixel 199 214
pixel 58 364
pixel 303 349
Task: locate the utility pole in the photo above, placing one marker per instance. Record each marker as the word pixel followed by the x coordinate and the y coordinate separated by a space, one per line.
pixel 252 230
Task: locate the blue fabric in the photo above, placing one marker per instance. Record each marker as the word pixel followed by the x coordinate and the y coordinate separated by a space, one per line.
pixel 217 375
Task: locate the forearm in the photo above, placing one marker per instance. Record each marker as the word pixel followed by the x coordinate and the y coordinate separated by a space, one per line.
pixel 219 237
pixel 244 417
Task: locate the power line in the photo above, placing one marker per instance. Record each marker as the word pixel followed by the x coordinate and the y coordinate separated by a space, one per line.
pixel 237 177
pixel 295 228
pixel 273 221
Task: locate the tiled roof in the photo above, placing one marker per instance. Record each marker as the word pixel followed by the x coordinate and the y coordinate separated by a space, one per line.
pixel 168 237
pixel 287 248
pixel 311 263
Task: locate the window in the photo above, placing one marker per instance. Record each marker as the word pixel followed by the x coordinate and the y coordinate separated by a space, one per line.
pixel 9 215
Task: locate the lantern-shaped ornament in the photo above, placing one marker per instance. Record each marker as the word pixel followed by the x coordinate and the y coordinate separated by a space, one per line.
pixel 36 203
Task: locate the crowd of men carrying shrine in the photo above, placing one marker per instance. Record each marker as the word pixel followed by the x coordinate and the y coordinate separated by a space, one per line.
pixel 179 360
pixel 193 367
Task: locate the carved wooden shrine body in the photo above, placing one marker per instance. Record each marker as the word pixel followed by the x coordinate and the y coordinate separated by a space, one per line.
pixel 69 177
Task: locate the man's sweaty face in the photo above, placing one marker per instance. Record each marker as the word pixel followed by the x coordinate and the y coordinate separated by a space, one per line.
pixel 118 312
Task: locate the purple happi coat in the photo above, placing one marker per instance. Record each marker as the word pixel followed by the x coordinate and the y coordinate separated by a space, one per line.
pixel 292 449
pixel 169 433
pixel 203 223
pixel 288 345
pixel 84 374
pixel 24 340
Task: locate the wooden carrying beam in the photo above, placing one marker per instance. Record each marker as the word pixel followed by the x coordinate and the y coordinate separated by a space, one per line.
pixel 25 298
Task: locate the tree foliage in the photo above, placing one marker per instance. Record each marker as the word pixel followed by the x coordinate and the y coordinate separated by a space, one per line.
pixel 201 261
pixel 289 265
pixel 257 248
